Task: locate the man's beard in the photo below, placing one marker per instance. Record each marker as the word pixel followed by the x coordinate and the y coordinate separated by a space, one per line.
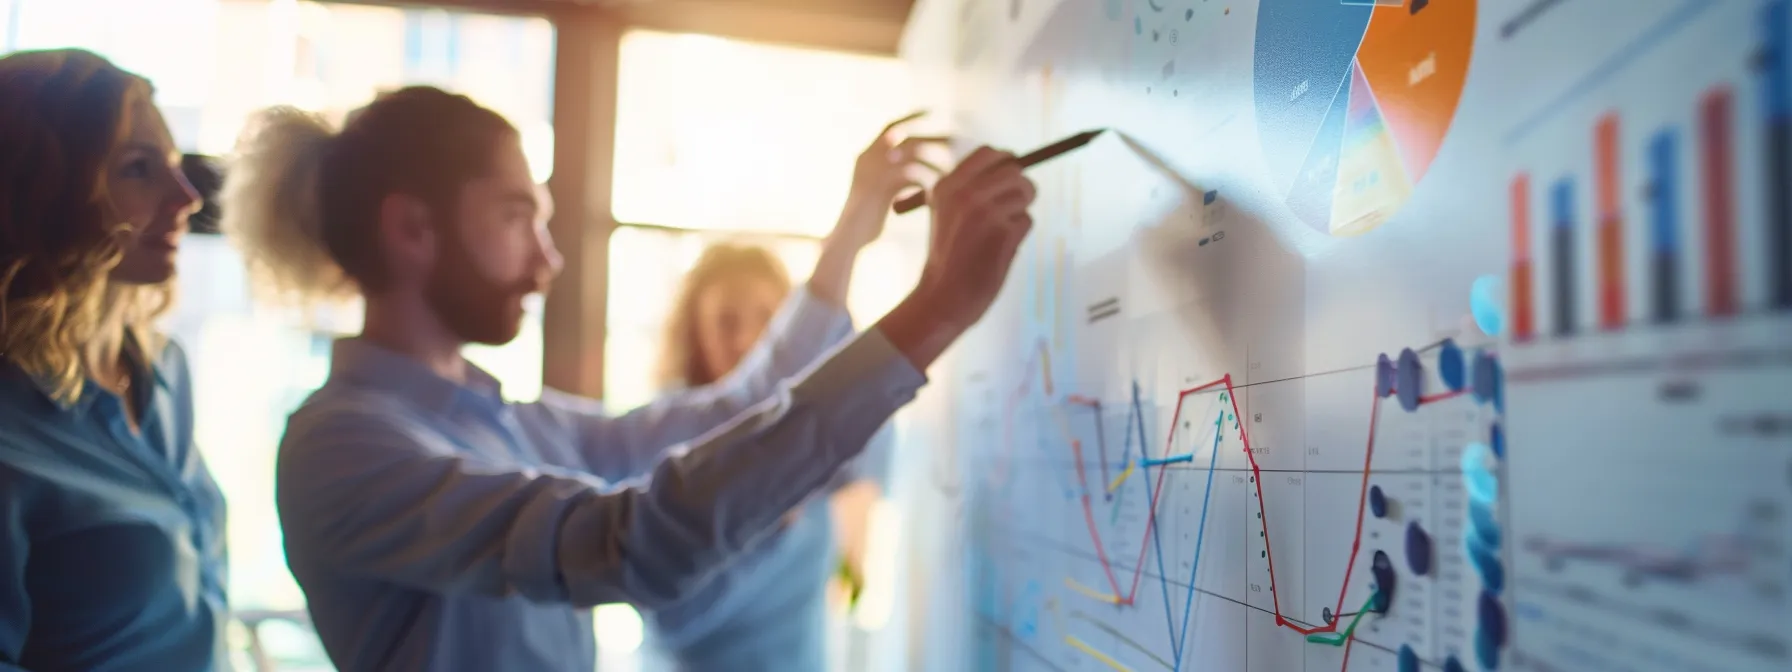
pixel 476 308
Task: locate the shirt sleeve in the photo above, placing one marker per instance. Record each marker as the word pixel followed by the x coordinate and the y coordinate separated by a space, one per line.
pixel 623 446
pixel 871 465
pixel 364 496
pixel 15 550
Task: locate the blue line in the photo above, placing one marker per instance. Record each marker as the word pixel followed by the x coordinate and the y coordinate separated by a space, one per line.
pixel 1162 578
pixel 1101 443
pixel 1173 459
pixel 1137 412
pixel 1662 30
pixel 1177 640
pixel 1194 570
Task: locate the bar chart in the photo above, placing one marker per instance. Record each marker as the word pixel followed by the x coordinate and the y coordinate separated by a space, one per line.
pixel 1648 209
pixel 1694 164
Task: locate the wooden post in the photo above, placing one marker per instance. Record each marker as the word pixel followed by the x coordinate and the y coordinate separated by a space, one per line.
pixel 587 49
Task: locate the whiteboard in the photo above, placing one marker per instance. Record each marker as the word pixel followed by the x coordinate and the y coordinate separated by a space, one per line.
pixel 1372 335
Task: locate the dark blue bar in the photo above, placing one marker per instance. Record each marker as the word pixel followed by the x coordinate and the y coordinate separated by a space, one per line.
pixel 1776 94
pixel 1664 225
pixel 1561 199
pixel 1776 24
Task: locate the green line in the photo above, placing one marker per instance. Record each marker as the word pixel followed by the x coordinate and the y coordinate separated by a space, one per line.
pixel 1123 638
pixel 1336 639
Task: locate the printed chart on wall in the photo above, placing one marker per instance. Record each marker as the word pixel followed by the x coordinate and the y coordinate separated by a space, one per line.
pixel 1353 100
pixel 1379 335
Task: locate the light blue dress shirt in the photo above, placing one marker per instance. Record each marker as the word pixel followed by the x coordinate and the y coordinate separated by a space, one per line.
pixel 435 527
pixel 111 540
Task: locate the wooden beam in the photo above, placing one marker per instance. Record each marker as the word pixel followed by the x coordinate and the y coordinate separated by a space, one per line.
pixel 874 28
pixel 587 54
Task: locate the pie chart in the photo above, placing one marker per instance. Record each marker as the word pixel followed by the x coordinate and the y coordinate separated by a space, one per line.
pixel 1353 99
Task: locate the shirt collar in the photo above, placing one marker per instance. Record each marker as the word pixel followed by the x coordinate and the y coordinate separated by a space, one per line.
pixel 366 364
pixel 90 389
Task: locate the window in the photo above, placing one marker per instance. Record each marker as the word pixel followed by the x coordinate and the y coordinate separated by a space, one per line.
pixel 723 134
pixel 213 63
pixel 719 139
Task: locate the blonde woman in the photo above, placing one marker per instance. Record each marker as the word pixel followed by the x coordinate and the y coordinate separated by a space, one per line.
pixel 768 610
pixel 111 529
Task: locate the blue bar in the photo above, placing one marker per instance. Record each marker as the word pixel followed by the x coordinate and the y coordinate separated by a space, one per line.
pixel 1776 94
pixel 1561 199
pixel 1664 225
pixel 1664 182
pixel 1561 203
pixel 1776 23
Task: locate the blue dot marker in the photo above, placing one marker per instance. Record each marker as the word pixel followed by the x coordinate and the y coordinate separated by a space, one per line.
pixel 1418 549
pixel 1481 376
pixel 1450 366
pixel 1490 618
pixel 1386 583
pixel 1384 376
pixel 1486 304
pixel 1409 380
pixel 1481 484
pixel 1451 664
pixel 1499 385
pixel 1378 502
pixel 1486 652
pixel 1409 659
pixel 1498 441
pixel 1482 524
pixel 1487 566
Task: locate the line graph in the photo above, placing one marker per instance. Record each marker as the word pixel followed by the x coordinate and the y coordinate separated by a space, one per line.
pixel 1335 632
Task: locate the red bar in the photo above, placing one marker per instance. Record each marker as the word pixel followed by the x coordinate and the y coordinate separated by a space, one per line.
pixel 1611 223
pixel 1524 324
pixel 1716 155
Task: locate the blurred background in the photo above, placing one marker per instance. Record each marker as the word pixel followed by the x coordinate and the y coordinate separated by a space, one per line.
pixel 678 124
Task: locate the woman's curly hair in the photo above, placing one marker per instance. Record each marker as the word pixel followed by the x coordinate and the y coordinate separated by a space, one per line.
pixel 62 114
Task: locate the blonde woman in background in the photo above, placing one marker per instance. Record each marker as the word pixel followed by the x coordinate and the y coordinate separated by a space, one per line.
pixel 111 529
pixel 772 604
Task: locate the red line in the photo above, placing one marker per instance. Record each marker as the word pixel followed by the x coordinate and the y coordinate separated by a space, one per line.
pixel 1076 449
pixel 1440 396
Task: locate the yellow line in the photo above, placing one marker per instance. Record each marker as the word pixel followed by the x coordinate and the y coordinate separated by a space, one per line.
pixel 1121 478
pixel 1045 367
pixel 1090 592
pixel 1105 658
